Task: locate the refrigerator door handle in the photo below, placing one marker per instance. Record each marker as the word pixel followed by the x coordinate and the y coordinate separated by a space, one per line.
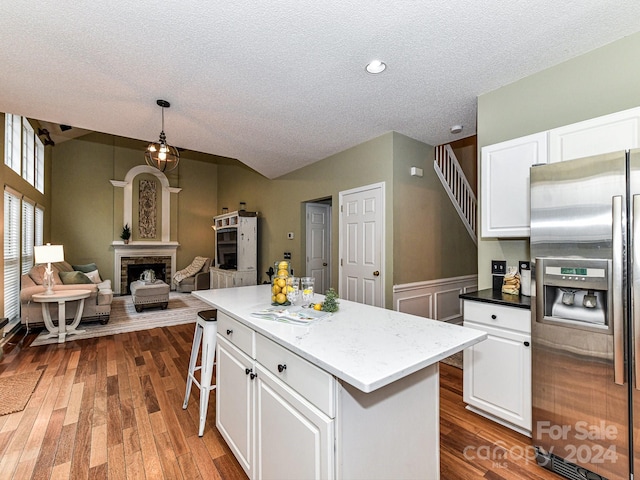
pixel 635 292
pixel 617 285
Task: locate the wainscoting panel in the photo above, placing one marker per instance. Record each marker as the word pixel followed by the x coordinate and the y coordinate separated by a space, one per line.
pixel 436 299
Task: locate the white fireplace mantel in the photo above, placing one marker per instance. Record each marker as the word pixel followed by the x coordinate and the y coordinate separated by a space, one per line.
pixel 140 249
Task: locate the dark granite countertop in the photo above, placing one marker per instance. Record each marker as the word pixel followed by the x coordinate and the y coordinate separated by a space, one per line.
pixel 490 295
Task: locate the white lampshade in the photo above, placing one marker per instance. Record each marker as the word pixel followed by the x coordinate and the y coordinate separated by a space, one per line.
pixel 48 253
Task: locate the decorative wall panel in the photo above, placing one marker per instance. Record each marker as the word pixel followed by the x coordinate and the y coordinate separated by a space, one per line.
pixel 147 209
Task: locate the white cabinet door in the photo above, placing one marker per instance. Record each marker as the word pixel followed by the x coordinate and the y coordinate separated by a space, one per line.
pixel 294 439
pixel 608 133
pixel 497 375
pixel 234 401
pixel 505 184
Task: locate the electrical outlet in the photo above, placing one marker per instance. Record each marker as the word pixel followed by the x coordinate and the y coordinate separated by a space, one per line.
pixel 498 267
pixel 287 255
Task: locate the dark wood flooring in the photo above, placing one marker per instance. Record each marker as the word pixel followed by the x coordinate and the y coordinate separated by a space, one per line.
pixel 111 407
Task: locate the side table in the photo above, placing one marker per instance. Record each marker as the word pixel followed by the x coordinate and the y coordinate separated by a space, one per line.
pixel 61 297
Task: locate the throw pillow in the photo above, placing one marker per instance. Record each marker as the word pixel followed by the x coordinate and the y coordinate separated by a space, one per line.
pixel 89 267
pixel 191 270
pixel 74 278
pixel 94 276
pixel 37 274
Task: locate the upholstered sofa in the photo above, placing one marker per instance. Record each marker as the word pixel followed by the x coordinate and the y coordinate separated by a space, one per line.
pixel 194 277
pixel 83 277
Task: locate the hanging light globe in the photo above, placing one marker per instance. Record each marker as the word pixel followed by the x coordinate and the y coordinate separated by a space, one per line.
pixel 160 154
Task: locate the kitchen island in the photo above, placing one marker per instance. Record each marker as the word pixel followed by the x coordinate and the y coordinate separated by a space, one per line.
pixel 353 395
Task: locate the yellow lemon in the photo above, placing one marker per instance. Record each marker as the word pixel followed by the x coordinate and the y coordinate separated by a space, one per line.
pixel 317 306
pixel 307 291
pixel 275 289
pixel 282 273
pixel 281 298
pixel 273 298
pixel 281 282
pixel 283 265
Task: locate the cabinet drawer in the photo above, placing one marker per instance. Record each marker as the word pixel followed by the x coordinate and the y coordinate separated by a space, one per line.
pixel 311 382
pixel 498 316
pixel 238 334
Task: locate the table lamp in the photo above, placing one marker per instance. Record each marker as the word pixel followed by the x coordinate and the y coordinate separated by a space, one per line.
pixel 48 254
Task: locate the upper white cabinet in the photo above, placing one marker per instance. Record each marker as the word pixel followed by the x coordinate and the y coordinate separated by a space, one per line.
pixel 505 184
pixel 608 133
pixel 504 167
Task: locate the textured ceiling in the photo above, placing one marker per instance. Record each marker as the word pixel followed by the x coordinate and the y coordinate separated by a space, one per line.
pixel 281 84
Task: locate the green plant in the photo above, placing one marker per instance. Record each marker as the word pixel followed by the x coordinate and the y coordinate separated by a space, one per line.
pixel 330 303
pixel 126 232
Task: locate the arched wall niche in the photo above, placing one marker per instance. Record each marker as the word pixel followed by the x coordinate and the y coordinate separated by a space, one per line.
pixel 166 189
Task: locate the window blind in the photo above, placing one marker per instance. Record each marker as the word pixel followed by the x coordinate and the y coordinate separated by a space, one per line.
pixel 28 235
pixel 11 255
pixel 39 226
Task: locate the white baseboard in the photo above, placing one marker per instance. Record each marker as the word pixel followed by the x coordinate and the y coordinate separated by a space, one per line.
pixel 436 299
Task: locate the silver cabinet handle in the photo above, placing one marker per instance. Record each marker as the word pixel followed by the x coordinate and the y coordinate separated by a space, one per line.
pixel 616 290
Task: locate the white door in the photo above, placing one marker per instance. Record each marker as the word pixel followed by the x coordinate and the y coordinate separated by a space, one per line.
pixel 362 245
pixel 319 245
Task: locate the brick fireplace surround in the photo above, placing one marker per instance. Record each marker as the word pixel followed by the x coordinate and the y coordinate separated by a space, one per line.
pixel 140 253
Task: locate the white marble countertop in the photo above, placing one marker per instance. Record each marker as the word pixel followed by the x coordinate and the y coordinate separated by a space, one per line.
pixel 367 347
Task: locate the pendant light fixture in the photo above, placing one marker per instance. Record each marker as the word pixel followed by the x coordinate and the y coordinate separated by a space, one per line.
pixel 160 154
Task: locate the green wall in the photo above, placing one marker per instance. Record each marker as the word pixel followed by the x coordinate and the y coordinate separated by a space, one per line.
pixel 600 82
pixel 281 201
pixel 430 241
pixel 87 210
pixel 424 238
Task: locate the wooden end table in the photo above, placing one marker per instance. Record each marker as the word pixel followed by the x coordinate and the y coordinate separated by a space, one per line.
pixel 61 297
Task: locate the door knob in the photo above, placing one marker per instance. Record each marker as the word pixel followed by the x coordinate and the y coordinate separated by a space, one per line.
pixel 324 264
pixel 376 273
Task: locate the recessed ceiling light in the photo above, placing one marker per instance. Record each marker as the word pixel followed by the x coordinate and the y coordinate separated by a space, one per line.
pixel 456 128
pixel 375 66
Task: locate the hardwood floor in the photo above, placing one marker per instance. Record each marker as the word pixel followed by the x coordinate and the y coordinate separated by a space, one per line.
pixel 111 407
pixel 473 447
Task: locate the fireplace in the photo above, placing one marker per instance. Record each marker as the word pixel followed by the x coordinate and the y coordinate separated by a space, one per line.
pixel 132 268
pixel 160 255
pixel 134 271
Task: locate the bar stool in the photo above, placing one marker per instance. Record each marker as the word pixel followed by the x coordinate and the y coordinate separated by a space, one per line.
pixel 205 333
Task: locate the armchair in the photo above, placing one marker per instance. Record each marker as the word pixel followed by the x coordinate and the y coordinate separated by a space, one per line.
pixel 194 277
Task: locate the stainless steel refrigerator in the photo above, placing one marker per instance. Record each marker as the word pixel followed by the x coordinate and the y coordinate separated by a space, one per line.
pixel 585 249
